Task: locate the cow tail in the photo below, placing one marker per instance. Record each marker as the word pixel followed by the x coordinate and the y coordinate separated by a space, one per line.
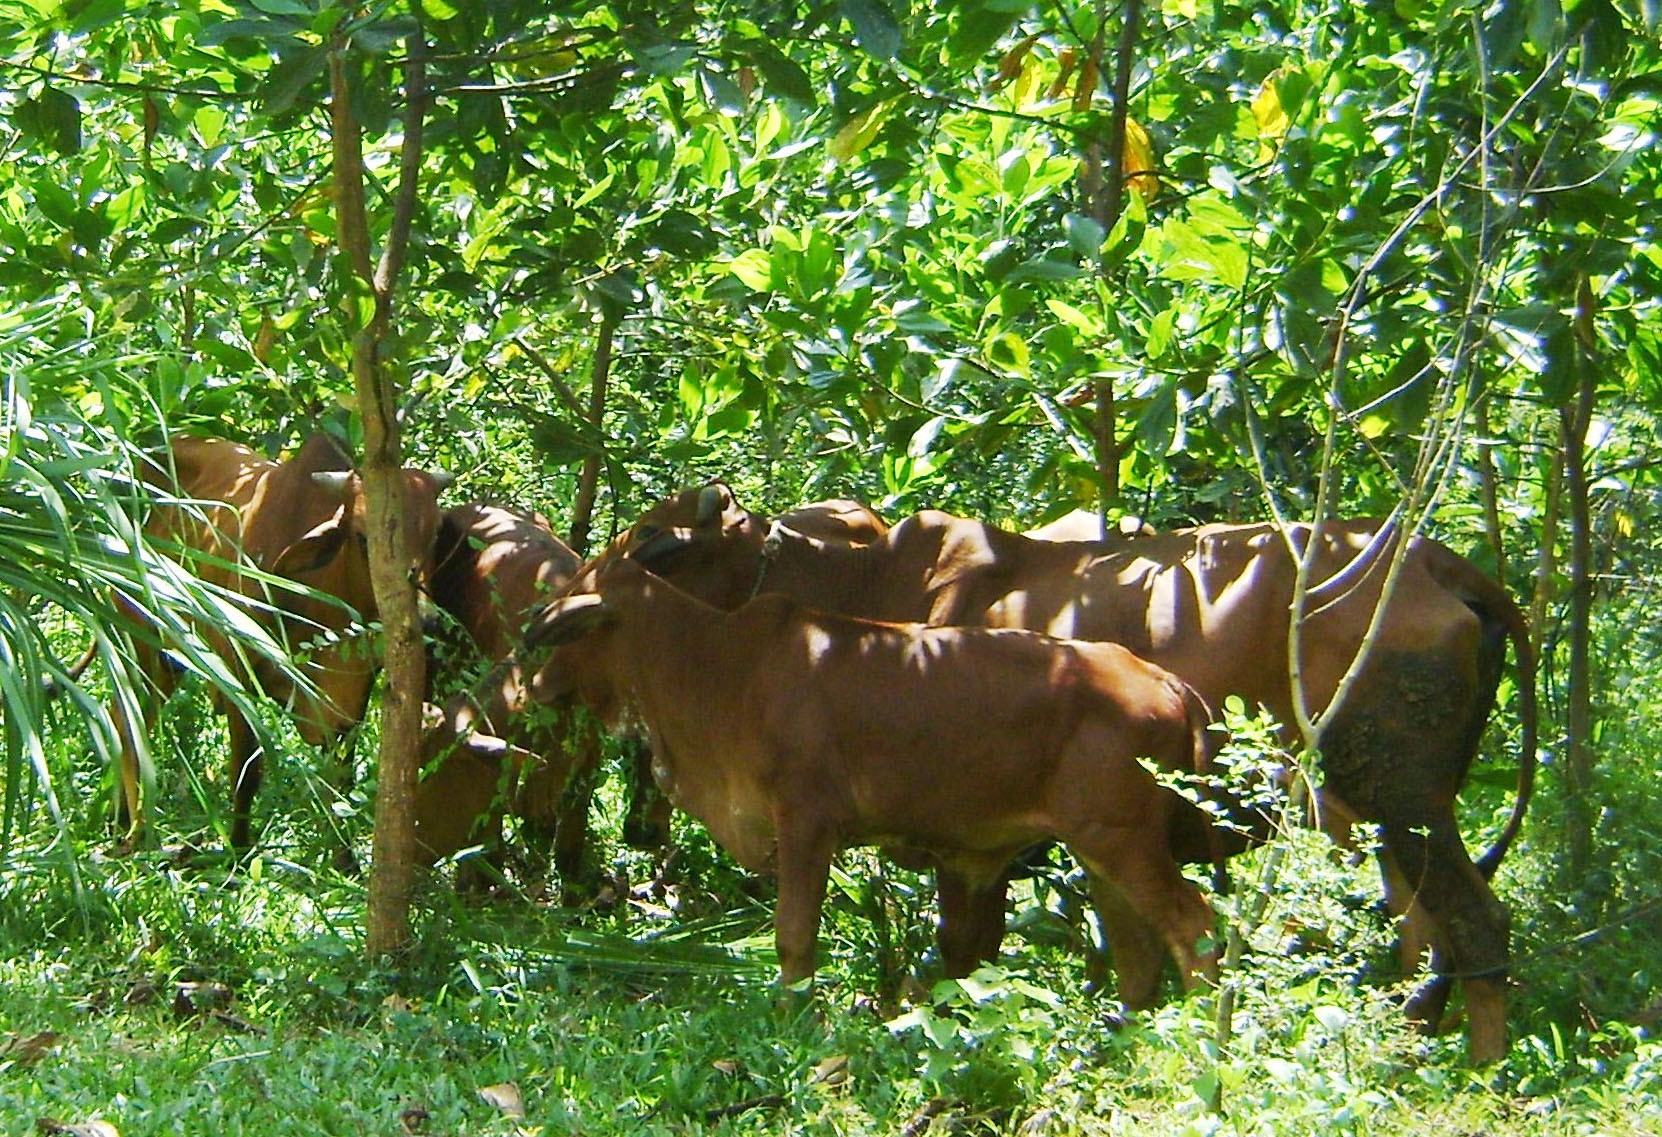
pixel 1517 629
pixel 1493 604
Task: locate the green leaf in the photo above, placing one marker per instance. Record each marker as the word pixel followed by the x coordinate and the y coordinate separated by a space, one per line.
pixel 783 74
pixel 754 267
pixel 53 118
pixel 875 28
pixel 293 74
pixel 979 28
pixel 857 133
pixel 1085 234
pixel 1083 321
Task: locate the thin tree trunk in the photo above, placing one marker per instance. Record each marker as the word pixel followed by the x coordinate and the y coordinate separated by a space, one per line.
pixel 1108 206
pixel 1546 567
pixel 588 482
pixel 1490 493
pixel 392 876
pixel 1579 712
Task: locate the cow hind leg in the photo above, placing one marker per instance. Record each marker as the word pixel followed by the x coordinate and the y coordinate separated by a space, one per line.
pixel 155 682
pixel 1137 863
pixel 247 764
pixel 1136 952
pixel 1471 930
pixel 1397 755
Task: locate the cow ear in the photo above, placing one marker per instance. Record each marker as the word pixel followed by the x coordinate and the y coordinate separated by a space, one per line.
pixel 659 551
pixel 312 552
pixel 718 506
pixel 569 619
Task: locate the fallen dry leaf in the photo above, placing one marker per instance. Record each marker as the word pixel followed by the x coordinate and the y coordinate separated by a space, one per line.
pixel 17 1051
pixel 728 1066
pixel 94 1128
pixel 413 1119
pixel 397 1004
pixel 505 1097
pixel 832 1071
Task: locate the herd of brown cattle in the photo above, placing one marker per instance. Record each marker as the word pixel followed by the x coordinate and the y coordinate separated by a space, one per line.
pixel 947 690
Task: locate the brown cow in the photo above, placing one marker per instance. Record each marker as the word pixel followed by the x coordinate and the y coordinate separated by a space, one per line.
pixel 792 734
pixel 302 519
pixel 837 521
pixel 493 569
pixel 1210 604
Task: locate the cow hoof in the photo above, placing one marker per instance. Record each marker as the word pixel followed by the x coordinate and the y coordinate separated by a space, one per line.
pixel 345 862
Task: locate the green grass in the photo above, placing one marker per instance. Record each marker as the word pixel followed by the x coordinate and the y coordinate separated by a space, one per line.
pixel 620 1023
pixel 636 1020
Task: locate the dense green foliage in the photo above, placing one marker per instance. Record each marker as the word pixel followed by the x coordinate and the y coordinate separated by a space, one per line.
pixel 1395 256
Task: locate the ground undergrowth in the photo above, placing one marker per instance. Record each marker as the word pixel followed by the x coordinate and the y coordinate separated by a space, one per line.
pixel 170 1000
pixel 162 994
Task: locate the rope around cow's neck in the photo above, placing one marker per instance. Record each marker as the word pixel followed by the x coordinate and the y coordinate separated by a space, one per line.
pixel 770 553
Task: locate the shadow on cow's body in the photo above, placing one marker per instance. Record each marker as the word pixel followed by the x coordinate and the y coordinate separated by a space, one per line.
pixel 225 507
pixel 791 734
pixel 1210 604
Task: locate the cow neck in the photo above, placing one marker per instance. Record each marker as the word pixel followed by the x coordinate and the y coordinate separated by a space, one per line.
pixel 822 574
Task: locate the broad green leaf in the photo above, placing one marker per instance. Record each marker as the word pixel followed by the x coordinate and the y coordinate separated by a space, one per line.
pixel 1083 321
pixel 783 74
pixel 875 27
pixel 754 267
pixel 53 118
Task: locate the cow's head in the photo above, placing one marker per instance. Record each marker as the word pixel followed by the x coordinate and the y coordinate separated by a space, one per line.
pixel 576 643
pixel 333 556
pixel 701 539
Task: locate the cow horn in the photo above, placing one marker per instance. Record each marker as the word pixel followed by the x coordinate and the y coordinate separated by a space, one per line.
pixel 712 499
pixel 442 480
pixel 335 481
pixel 493 749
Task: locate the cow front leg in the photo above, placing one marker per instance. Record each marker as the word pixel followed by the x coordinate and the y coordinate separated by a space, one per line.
pixel 646 821
pixel 340 776
pixel 571 827
pixel 804 853
pixel 1137 863
pixel 246 772
pixel 971 928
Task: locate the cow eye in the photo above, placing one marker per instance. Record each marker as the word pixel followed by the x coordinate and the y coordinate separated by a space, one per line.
pixel 363 542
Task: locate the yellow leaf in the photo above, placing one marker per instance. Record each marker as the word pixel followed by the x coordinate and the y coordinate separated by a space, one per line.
pixel 1137 160
pixel 856 134
pixel 1267 110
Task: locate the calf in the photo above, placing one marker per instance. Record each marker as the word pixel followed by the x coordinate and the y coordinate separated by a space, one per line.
pixel 792 734
pixel 493 569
